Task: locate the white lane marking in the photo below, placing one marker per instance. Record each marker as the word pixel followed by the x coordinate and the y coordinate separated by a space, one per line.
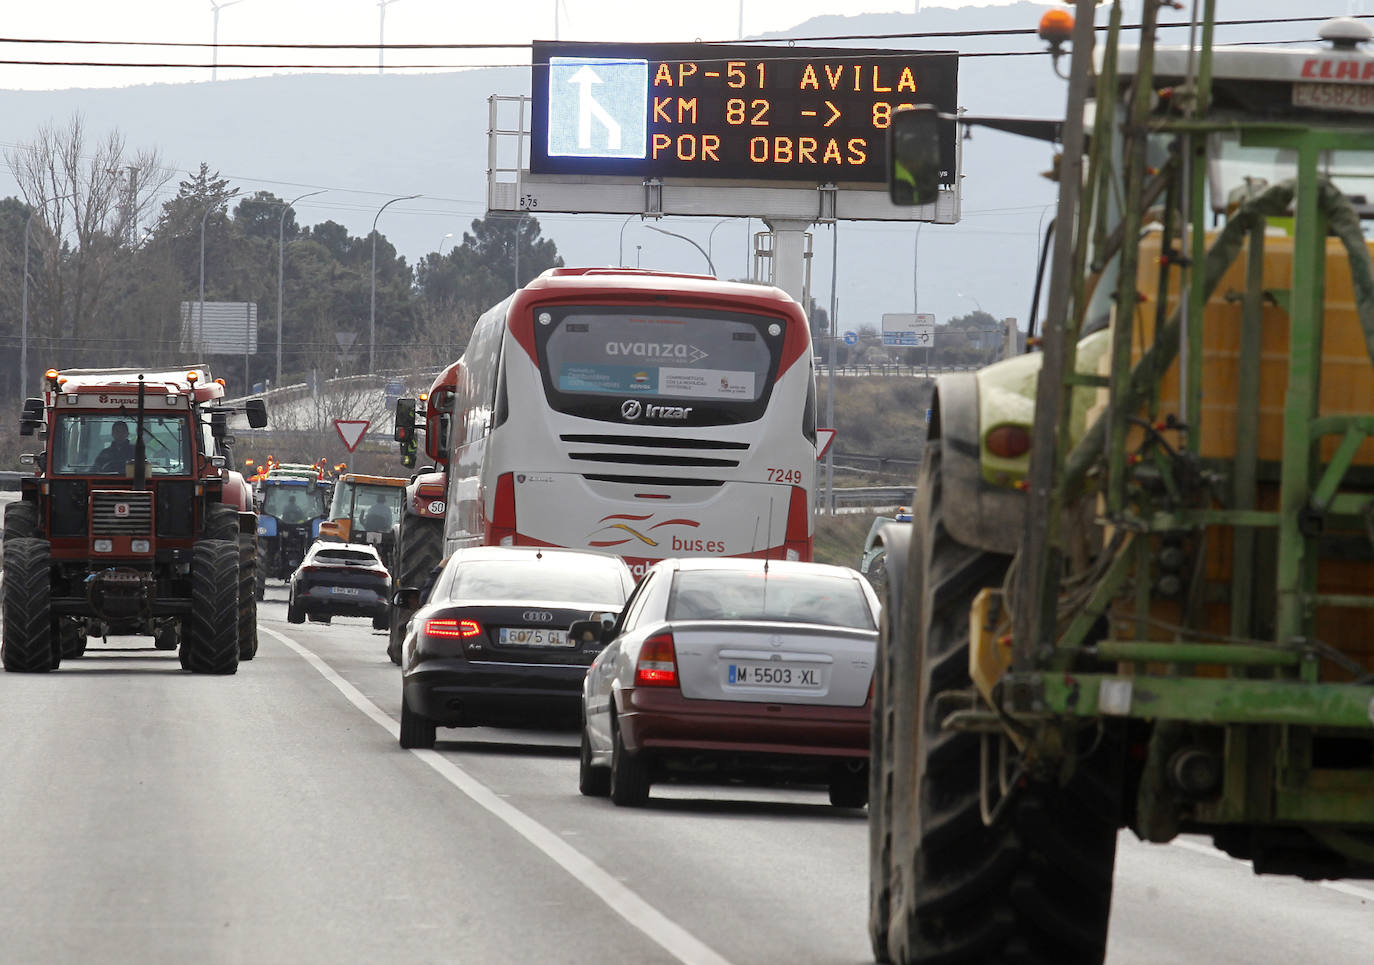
pixel 671 937
pixel 1354 891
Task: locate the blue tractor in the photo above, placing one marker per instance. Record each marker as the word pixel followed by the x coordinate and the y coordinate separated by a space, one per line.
pixel 290 510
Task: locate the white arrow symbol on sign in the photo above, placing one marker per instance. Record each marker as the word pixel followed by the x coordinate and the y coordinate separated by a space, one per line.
pixel 587 107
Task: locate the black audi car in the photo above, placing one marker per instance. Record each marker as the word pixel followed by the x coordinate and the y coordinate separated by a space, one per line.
pixel 491 643
pixel 340 579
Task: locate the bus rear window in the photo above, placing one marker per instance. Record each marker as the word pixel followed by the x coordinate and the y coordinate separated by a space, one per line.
pixel 713 362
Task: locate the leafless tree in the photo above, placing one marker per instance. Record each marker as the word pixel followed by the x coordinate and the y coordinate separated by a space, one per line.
pixel 89 198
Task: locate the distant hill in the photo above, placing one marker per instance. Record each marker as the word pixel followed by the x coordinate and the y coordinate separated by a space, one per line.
pixel 402 134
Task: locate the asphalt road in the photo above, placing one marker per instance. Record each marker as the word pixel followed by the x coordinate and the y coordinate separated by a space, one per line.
pixel 147 815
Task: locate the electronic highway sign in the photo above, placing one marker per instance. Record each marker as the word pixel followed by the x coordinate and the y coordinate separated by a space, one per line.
pixel 741 112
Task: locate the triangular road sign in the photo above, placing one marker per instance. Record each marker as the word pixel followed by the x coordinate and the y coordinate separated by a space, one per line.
pixel 351 431
pixel 824 437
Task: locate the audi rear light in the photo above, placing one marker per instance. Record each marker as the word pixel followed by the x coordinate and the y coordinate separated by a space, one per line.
pixel 503 512
pixel 657 663
pixel 798 538
pixel 452 629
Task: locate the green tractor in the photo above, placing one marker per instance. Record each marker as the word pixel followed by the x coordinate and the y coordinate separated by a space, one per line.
pixel 1138 587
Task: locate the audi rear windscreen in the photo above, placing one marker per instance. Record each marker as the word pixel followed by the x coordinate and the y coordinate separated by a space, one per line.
pixel 674 366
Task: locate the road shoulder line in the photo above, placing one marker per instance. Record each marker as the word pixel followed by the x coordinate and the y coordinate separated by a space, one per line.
pixel 657 927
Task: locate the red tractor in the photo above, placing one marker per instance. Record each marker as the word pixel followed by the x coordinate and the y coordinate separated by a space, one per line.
pixel 420 538
pixel 132 522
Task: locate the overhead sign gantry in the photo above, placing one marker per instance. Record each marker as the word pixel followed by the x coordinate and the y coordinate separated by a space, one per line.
pixel 790 135
pixel 730 112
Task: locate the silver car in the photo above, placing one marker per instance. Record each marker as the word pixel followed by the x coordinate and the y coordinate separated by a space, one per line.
pixel 733 669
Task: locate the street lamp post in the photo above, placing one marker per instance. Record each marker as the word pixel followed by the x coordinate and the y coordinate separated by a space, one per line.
pixel 281 269
pixel 381 30
pixel 24 331
pixel 915 263
pixel 372 319
pixel 620 250
pixel 712 237
pixel 674 234
pixel 441 243
pixel 214 36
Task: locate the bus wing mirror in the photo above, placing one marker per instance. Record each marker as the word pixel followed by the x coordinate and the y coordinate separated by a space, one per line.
pixel 913 151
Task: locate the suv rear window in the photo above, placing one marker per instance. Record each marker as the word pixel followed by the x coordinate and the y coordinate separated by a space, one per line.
pixel 353 557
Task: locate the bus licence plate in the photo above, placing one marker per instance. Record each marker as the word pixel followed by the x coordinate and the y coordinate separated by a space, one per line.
pixel 774 675
pixel 530 637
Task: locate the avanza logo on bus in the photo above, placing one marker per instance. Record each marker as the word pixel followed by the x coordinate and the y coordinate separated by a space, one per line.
pixel 657 350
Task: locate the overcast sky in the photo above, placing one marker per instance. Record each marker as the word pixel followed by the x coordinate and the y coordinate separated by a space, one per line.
pixel 357 22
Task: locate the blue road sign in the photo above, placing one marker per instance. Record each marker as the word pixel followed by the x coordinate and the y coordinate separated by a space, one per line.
pixel 851 338
pixel 598 107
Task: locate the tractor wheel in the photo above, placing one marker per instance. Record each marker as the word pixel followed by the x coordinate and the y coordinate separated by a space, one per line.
pixel 71 638
pixel 210 638
pixel 248 601
pixel 891 767
pixel 21 521
pixel 418 549
pixel 1035 887
pixel 28 645
pixel 166 635
pixel 260 571
pixel 222 522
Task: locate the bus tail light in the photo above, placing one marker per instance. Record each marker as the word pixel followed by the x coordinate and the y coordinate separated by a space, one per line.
pixel 503 512
pixel 798 539
pixel 657 663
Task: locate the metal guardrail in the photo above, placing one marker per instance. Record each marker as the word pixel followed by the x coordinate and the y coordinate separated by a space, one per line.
pixel 870 495
pixel 870 462
pixel 893 369
pixel 9 479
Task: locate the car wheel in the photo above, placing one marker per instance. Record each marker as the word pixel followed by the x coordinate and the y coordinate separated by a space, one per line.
pixel 629 775
pixel 849 786
pixel 592 781
pixel 416 731
pixel 320 617
pixel 382 622
pixel 294 614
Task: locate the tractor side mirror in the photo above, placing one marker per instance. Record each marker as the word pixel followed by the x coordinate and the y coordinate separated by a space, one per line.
pixel 32 418
pixel 219 425
pixel 913 151
pixel 256 411
pixel 405 421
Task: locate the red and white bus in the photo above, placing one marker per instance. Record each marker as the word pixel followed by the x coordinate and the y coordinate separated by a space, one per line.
pixel 639 413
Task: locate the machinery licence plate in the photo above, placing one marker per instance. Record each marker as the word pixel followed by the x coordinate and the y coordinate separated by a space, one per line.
pixel 774 675
pixel 530 637
pixel 1356 98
